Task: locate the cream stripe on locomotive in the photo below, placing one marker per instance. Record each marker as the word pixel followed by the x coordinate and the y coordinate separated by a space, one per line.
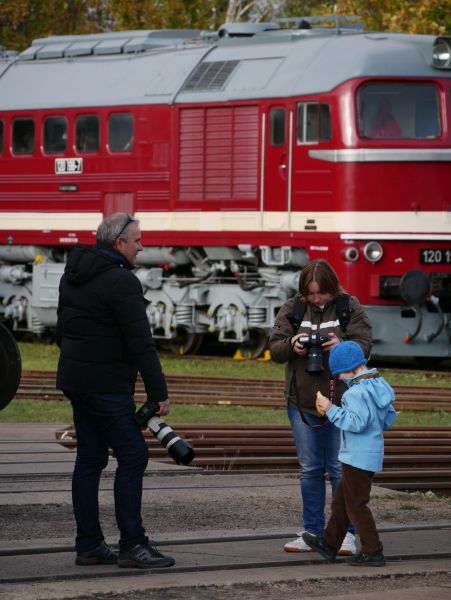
pixel 428 222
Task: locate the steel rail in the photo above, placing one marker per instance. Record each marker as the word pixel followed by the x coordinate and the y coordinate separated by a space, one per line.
pixel 233 391
pixel 108 572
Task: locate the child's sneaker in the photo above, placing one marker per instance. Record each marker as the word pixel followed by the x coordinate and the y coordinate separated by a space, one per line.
pixel 372 559
pixel 348 546
pixel 297 545
pixel 318 543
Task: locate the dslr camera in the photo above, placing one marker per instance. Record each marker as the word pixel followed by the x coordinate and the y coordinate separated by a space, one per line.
pixel 180 451
pixel 315 357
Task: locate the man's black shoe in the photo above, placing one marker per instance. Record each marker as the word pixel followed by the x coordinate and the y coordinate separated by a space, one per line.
pixel 372 559
pixel 316 542
pixel 144 556
pixel 102 555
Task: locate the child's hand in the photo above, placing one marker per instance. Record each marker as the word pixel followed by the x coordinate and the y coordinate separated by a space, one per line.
pixel 322 403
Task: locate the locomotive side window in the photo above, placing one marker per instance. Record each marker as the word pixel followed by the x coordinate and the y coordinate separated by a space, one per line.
pixel 277 126
pixel 120 133
pixel 55 135
pixel 1 136
pixel 399 111
pixel 313 123
pixel 87 134
pixel 23 136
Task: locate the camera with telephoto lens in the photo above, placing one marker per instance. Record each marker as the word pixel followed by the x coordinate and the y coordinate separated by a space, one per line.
pixel 180 451
pixel 314 344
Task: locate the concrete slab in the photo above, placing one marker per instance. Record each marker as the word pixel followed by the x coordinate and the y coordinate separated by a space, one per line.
pixel 205 555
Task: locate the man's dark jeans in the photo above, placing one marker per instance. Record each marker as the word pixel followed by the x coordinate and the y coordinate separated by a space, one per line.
pixel 105 421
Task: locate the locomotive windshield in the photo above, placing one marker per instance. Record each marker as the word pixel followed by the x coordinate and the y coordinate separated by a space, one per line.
pixel 399 111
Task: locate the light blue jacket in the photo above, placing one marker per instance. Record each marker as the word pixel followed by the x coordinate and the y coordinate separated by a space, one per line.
pixel 366 412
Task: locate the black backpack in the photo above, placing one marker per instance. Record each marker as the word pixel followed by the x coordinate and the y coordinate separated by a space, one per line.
pixel 343 311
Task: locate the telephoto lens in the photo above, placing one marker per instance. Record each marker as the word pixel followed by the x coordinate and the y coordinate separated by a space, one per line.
pixel 180 451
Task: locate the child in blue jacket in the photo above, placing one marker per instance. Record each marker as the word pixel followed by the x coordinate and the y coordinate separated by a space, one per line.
pixel 367 410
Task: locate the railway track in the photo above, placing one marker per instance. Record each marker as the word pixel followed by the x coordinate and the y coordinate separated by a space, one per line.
pixel 40 385
pixel 41 564
pixel 416 458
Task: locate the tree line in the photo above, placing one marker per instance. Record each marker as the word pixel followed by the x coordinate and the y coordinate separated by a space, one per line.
pixel 21 21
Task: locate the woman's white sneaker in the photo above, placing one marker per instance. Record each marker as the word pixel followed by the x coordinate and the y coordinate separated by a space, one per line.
pixel 348 546
pixel 297 545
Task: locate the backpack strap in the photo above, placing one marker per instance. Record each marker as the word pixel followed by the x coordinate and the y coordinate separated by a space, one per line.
pixel 343 310
pixel 299 307
pixel 298 313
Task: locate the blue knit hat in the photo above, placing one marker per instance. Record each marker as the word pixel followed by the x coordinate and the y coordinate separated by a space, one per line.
pixel 345 357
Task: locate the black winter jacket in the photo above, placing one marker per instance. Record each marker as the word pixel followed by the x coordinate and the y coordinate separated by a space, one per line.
pixel 102 327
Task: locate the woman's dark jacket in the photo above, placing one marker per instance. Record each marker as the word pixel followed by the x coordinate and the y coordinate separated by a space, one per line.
pixel 300 387
pixel 102 328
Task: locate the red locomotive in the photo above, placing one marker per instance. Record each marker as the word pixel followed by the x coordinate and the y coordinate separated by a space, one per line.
pixel 243 153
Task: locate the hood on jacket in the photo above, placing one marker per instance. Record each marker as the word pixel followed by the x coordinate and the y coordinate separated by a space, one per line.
pixel 377 388
pixel 87 262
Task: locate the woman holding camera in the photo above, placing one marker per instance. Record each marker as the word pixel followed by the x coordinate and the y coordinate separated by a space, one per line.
pixel 305 331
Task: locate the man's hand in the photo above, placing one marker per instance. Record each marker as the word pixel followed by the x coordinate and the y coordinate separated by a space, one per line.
pixel 164 408
pixel 322 403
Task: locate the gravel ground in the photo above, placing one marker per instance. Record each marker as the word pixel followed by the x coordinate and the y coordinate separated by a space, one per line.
pixel 287 590
pixel 202 505
pixel 208 504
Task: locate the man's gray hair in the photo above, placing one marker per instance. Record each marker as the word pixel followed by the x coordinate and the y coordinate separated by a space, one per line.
pixel 114 226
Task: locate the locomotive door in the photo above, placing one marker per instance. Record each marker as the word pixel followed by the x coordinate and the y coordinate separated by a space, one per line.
pixel 276 193
pixel 118 202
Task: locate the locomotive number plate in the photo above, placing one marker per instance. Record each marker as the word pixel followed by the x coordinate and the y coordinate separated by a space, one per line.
pixel 435 256
pixel 68 165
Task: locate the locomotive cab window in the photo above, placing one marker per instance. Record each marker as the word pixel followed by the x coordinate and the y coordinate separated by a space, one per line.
pixel 277 126
pixel 55 135
pixel 87 133
pixel 121 133
pixel 313 123
pixel 1 136
pixel 23 136
pixel 399 111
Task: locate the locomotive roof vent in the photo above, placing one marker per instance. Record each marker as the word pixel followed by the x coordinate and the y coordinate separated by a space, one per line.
pixel 441 53
pixel 7 54
pixel 209 76
pixel 115 42
pixel 323 24
pixel 245 29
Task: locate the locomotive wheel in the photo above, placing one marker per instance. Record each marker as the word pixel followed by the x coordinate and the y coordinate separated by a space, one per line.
pixel 184 342
pixel 256 344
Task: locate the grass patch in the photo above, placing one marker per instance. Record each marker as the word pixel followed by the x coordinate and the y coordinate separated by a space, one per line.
pixel 423 418
pixel 45 357
pixel 35 411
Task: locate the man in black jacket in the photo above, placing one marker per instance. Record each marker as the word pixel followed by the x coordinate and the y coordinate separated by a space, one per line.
pixel 105 339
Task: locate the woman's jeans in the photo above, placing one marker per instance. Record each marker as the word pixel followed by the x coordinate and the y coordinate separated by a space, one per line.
pixel 317 446
pixel 105 421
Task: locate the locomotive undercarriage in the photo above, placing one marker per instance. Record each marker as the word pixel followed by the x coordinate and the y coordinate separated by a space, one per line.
pixel 231 294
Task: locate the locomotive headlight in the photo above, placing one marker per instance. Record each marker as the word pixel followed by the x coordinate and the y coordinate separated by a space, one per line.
pixel 373 251
pixel 441 53
pixel 351 254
